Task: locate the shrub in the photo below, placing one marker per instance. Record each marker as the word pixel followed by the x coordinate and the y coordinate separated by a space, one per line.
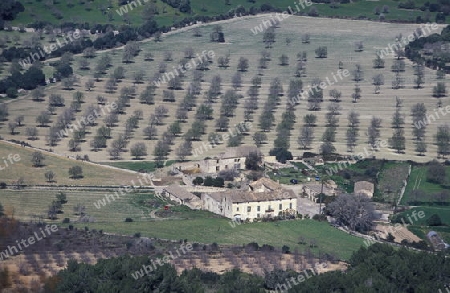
pixel 66 220
pixel 137 235
pixel 436 173
pixel 390 237
pixel 320 218
pixel 2 185
pixel 434 220
pixel 197 181
pixel 253 245
pixel 128 220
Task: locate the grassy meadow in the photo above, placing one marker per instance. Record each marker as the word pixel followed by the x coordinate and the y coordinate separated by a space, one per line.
pixel 92 174
pixel 418 180
pixel 178 223
pixel 96 11
pixel 328 239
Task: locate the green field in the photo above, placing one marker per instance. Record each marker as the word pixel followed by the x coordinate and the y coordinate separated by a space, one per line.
pixel 138 165
pixel 420 227
pixel 418 180
pixel 36 10
pixel 284 175
pixel 329 239
pixel 390 180
pixel 179 223
pixel 442 212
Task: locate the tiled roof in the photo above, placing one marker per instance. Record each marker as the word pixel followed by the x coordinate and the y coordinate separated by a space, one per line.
pixel 240 196
pixel 238 152
pixel 266 182
pixel 179 192
pixel 364 185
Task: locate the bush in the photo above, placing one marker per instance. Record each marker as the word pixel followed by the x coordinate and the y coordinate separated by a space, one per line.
pixel 267 247
pixel 137 235
pixel 434 220
pixel 197 181
pixel 253 245
pixel 2 185
pixel 66 220
pixel 59 246
pixel 390 237
pixel 128 220
pixel 218 182
pixel 436 173
pixel 281 154
pixel 286 249
pixel 209 181
pixel 320 218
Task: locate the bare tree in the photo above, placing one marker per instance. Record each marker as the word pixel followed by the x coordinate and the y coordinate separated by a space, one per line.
pixel 419 71
pixel 138 150
pixel 378 62
pixel 12 127
pixel 242 64
pixel 378 81
pixel 358 74
pixel 443 140
pixel 259 138
pixel 354 211
pixel 32 133
pixel 306 38
pixel 237 80
pixel 373 132
pixel 359 46
pixel 336 95
pixel 306 136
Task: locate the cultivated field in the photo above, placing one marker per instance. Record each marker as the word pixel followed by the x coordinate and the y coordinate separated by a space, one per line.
pixel 338 35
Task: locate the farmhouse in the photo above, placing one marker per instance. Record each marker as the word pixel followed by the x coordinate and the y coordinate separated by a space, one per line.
pixel 263 185
pixel 312 191
pixel 232 158
pixel 364 187
pixel 181 196
pixel 263 199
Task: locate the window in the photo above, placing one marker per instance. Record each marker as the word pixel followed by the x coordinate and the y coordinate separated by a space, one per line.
pixel 258 215
pixel 258 208
pixel 249 209
pixel 280 207
pixel 290 205
pixel 237 209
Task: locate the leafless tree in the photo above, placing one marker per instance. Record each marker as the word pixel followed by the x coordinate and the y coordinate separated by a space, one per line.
pixel 354 211
pixel 373 131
